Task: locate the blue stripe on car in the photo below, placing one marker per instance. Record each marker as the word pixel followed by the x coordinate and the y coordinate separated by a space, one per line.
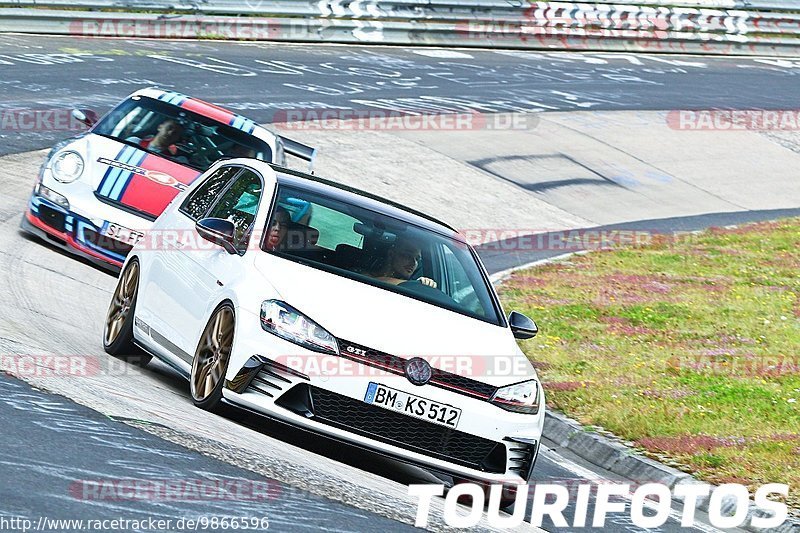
pixel 122 182
pixel 112 174
pixel 106 181
pixel 115 172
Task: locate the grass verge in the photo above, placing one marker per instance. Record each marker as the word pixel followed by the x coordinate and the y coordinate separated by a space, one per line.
pixel 689 349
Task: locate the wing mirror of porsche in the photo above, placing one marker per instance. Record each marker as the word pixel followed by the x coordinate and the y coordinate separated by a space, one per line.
pixel 85 116
pixel 521 326
pixel 219 231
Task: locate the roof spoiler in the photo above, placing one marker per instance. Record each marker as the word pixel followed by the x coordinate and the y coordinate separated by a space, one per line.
pixel 300 150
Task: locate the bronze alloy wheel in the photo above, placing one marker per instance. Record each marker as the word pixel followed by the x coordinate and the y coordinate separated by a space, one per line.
pixel 122 304
pixel 211 359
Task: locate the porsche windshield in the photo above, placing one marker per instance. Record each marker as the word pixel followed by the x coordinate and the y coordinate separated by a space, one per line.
pixel 177 134
pixel 379 250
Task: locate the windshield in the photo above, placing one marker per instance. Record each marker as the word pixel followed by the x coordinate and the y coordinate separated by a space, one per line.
pixel 379 250
pixel 177 134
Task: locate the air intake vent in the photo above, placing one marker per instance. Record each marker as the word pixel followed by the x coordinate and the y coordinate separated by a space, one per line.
pixel 521 456
pixel 263 376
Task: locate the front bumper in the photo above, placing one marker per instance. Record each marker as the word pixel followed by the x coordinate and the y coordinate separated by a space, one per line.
pixel 491 446
pixel 73 233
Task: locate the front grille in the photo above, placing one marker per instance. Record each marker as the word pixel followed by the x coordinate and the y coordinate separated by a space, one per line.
pixel 397 429
pixel 395 364
pixel 462 384
pixel 106 243
pixel 53 218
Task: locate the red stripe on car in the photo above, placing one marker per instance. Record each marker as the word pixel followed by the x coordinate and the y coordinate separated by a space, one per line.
pixel 152 193
pixel 208 110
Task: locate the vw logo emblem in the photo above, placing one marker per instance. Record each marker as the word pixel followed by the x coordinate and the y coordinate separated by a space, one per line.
pixel 418 371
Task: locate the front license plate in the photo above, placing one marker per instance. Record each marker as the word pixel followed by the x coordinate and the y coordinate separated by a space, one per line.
pixel 411 405
pixel 123 234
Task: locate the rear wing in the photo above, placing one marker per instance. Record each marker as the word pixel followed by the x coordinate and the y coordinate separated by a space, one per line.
pixel 299 150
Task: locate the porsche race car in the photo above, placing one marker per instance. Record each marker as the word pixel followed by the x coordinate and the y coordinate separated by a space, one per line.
pixel 98 193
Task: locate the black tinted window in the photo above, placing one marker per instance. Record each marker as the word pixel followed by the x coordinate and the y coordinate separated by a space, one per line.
pixel 206 194
pixel 239 204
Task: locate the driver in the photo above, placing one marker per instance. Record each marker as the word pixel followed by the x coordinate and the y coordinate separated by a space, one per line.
pixel 400 263
pixel 163 142
pixel 278 229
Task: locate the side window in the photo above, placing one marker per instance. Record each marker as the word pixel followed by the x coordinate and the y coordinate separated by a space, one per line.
pixel 334 228
pixel 204 196
pixel 239 204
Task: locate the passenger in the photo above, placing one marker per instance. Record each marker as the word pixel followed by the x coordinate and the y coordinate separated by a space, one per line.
pixel 278 229
pixel 400 263
pixel 163 142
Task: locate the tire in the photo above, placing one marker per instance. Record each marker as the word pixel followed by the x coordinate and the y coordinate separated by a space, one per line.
pixel 118 328
pixel 211 359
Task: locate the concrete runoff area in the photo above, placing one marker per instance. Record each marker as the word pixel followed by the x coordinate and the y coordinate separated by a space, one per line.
pixel 55 304
pixel 571 170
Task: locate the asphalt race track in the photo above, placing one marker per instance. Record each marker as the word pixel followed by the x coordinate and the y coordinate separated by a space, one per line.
pixel 90 447
pixel 54 304
pixel 259 79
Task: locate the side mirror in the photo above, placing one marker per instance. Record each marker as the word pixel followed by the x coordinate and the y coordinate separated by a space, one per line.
pixel 219 231
pixel 521 326
pixel 85 116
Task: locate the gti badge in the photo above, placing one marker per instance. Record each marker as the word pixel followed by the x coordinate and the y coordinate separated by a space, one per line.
pixel 355 351
pixel 418 371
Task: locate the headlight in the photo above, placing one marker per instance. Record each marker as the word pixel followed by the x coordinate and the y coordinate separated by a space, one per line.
pixel 283 320
pixel 67 166
pixel 519 398
pixel 53 196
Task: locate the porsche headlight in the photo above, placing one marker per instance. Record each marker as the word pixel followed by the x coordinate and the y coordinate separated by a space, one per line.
pixel 67 166
pixel 283 320
pixel 519 398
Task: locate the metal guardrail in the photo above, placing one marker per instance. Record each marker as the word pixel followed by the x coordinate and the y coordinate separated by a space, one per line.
pixel 690 26
pixel 274 6
pixel 382 7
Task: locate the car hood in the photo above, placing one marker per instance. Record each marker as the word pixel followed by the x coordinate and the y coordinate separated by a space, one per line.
pixel 398 325
pixel 130 177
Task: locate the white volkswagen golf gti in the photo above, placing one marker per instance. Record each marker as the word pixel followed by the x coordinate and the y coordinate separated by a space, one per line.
pixel 336 311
